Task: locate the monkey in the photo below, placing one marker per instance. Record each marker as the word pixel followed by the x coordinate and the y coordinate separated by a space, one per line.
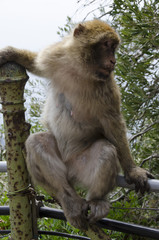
pixel 85 143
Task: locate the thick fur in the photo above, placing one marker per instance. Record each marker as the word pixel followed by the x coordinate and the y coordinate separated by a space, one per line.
pixel 86 136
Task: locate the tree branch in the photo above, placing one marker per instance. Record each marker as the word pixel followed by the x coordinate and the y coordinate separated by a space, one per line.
pixel 143 132
pixel 149 158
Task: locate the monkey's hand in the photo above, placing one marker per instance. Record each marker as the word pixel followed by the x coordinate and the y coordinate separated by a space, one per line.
pixel 6 55
pixel 139 177
pixel 23 57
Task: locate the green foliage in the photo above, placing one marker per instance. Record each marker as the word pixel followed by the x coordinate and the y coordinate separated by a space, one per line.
pixel 137 71
pixel 48 224
pixel 135 209
pixel 4 220
pixel 137 74
pixel 35 96
pixel 67 28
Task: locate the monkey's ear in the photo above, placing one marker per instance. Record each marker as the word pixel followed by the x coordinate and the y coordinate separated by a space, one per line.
pixel 78 30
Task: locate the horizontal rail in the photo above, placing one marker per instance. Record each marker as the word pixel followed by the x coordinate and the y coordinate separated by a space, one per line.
pixel 107 224
pixel 51 233
pixel 153 183
pixel 103 223
pixel 3 166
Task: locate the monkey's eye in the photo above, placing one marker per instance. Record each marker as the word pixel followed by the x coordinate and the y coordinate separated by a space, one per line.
pixel 105 44
pixel 114 47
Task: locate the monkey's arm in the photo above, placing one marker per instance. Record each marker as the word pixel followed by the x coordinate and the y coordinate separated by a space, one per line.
pixel 23 57
pixel 116 134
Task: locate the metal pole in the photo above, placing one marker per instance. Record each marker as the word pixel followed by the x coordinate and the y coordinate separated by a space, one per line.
pixel 12 81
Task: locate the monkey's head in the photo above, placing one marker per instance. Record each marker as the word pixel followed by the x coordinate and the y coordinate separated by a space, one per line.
pixel 97 42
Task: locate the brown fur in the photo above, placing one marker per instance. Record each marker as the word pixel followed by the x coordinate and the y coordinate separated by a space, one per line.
pixel 86 136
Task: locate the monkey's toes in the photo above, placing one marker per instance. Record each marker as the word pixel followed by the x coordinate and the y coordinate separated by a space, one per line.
pixel 78 216
pixel 97 210
pixel 79 222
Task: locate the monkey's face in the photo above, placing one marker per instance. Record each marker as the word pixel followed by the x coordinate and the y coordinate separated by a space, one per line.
pixel 97 43
pixel 104 58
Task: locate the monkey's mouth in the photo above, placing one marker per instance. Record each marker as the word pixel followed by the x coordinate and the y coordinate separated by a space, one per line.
pixel 103 73
pixel 106 71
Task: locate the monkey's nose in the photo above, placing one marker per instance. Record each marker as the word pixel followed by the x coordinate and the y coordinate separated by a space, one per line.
pixel 113 61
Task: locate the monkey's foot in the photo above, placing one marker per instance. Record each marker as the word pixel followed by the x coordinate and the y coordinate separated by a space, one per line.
pixel 98 209
pixel 76 213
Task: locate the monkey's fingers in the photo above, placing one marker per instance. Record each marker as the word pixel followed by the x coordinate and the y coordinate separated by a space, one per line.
pixel 85 211
pixel 149 175
pixel 142 186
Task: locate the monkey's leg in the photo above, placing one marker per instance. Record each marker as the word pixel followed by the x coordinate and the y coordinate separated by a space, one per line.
pixel 104 180
pixel 48 170
pixel 98 167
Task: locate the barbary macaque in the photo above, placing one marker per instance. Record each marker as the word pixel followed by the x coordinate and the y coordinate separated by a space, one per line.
pixel 86 142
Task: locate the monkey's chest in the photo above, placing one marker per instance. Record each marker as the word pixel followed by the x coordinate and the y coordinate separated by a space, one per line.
pixel 76 112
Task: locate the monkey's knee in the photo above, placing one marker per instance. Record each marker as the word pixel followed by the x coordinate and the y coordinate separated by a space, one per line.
pixel 42 156
pixel 43 140
pixel 42 143
pixel 34 147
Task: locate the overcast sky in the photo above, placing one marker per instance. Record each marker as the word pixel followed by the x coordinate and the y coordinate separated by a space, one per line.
pixel 33 24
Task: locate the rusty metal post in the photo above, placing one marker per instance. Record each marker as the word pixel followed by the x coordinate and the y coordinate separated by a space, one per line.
pixel 12 81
